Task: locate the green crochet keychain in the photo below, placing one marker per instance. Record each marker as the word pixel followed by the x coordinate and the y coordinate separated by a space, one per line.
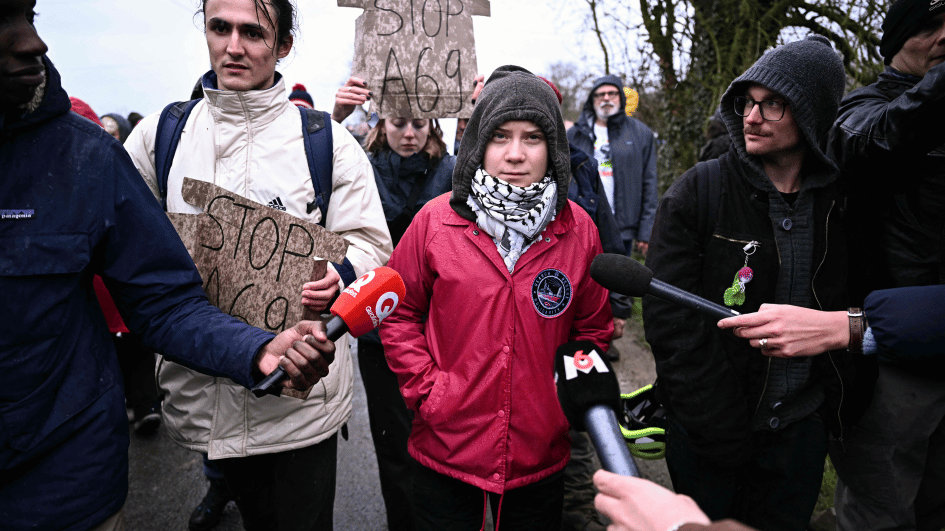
pixel 735 295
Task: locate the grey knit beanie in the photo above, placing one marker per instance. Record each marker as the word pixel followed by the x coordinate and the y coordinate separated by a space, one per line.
pixel 809 74
pixel 511 93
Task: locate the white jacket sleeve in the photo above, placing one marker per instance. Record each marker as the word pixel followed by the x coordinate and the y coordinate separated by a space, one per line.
pixel 140 145
pixel 354 210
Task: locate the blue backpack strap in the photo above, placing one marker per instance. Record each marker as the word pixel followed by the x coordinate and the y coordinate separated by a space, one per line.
pixel 170 126
pixel 316 133
pixel 316 129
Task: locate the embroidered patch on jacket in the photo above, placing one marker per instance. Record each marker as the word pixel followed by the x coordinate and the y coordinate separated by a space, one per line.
pixel 21 213
pixel 551 293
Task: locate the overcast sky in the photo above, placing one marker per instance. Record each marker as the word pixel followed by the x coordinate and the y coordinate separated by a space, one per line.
pixel 138 55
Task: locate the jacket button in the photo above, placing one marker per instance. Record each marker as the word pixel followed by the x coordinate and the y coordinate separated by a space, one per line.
pixel 787 224
pixel 475 233
pixel 496 476
pixel 506 350
pixel 547 240
pixel 776 406
pixel 773 422
pixel 501 413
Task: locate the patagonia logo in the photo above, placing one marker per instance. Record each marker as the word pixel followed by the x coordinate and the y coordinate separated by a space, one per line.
pixel 22 213
pixel 551 293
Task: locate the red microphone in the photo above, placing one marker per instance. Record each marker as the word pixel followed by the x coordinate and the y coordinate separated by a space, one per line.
pixel 359 309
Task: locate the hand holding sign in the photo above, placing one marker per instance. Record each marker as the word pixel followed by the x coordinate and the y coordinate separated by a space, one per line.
pixel 418 56
pixel 353 93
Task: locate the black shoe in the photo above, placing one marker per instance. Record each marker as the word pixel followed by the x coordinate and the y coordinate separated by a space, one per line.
pixel 207 515
pixel 147 420
pixel 612 353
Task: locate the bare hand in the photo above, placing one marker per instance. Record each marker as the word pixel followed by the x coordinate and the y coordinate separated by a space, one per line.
pixel 353 93
pixel 480 82
pixel 317 295
pixel 303 351
pixel 643 247
pixel 791 331
pixel 635 504
pixel 619 325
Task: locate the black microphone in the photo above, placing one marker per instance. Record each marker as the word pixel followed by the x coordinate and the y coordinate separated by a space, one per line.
pixel 590 396
pixel 359 309
pixel 624 275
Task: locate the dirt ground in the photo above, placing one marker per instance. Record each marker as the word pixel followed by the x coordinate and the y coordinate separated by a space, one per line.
pixel 634 370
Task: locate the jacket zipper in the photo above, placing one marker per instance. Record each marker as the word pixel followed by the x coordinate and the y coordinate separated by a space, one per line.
pixel 768 368
pixel 736 241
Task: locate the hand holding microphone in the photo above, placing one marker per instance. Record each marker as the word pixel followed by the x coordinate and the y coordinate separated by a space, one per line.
pixel 359 309
pixel 590 396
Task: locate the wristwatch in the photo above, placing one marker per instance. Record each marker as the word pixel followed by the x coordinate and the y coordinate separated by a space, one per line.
pixel 857 329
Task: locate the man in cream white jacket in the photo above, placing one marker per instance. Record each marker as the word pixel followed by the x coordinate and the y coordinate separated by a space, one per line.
pixel 246 136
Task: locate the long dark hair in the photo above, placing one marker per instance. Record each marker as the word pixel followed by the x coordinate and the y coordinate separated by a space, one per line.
pixel 376 140
pixel 284 23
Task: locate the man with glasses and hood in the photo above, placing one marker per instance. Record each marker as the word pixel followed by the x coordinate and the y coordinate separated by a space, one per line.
pixel 746 434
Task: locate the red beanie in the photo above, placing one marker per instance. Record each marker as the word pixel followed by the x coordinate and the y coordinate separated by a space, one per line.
pixel 82 109
pixel 554 88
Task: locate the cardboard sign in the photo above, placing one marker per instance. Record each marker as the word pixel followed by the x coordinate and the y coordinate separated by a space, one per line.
pixel 254 259
pixel 417 56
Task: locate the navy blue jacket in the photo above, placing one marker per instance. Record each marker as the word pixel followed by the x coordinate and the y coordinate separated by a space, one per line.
pixel 73 205
pixel 633 152
pixel 908 326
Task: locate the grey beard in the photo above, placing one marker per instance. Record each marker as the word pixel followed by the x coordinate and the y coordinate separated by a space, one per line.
pixel 603 114
pixel 36 100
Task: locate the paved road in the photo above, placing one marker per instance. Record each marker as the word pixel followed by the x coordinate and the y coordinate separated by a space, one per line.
pixel 166 481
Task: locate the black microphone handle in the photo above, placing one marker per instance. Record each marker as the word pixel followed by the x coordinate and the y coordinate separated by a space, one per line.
pixel 670 293
pixel 334 328
pixel 602 427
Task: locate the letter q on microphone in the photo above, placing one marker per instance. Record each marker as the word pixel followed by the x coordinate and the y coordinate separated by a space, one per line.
pixel 590 397
pixel 359 309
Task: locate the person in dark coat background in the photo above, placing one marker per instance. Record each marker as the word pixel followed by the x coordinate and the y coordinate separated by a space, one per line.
pixel 64 431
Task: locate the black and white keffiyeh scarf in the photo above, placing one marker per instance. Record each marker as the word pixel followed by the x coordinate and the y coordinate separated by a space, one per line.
pixel 514 216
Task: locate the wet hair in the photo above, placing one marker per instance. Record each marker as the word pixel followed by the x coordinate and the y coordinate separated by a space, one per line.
pixel 376 140
pixel 285 21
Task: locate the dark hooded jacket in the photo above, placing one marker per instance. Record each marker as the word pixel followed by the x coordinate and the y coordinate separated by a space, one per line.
pixel 890 143
pixel 633 153
pixel 75 206
pixel 719 387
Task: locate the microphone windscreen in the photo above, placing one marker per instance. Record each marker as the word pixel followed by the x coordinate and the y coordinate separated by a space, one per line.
pixel 621 274
pixel 584 378
pixel 369 300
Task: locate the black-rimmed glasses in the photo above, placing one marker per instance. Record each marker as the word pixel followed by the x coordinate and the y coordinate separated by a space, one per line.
pixel 771 110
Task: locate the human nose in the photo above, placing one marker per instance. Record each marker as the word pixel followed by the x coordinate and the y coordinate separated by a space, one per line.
pixel 516 151
pixel 409 131
pixel 28 42
pixel 754 115
pixel 234 45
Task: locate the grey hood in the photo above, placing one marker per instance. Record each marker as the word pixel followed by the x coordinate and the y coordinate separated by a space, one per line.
pixel 511 93
pixel 810 76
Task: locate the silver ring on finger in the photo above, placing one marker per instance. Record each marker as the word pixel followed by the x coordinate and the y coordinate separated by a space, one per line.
pixel 763 343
